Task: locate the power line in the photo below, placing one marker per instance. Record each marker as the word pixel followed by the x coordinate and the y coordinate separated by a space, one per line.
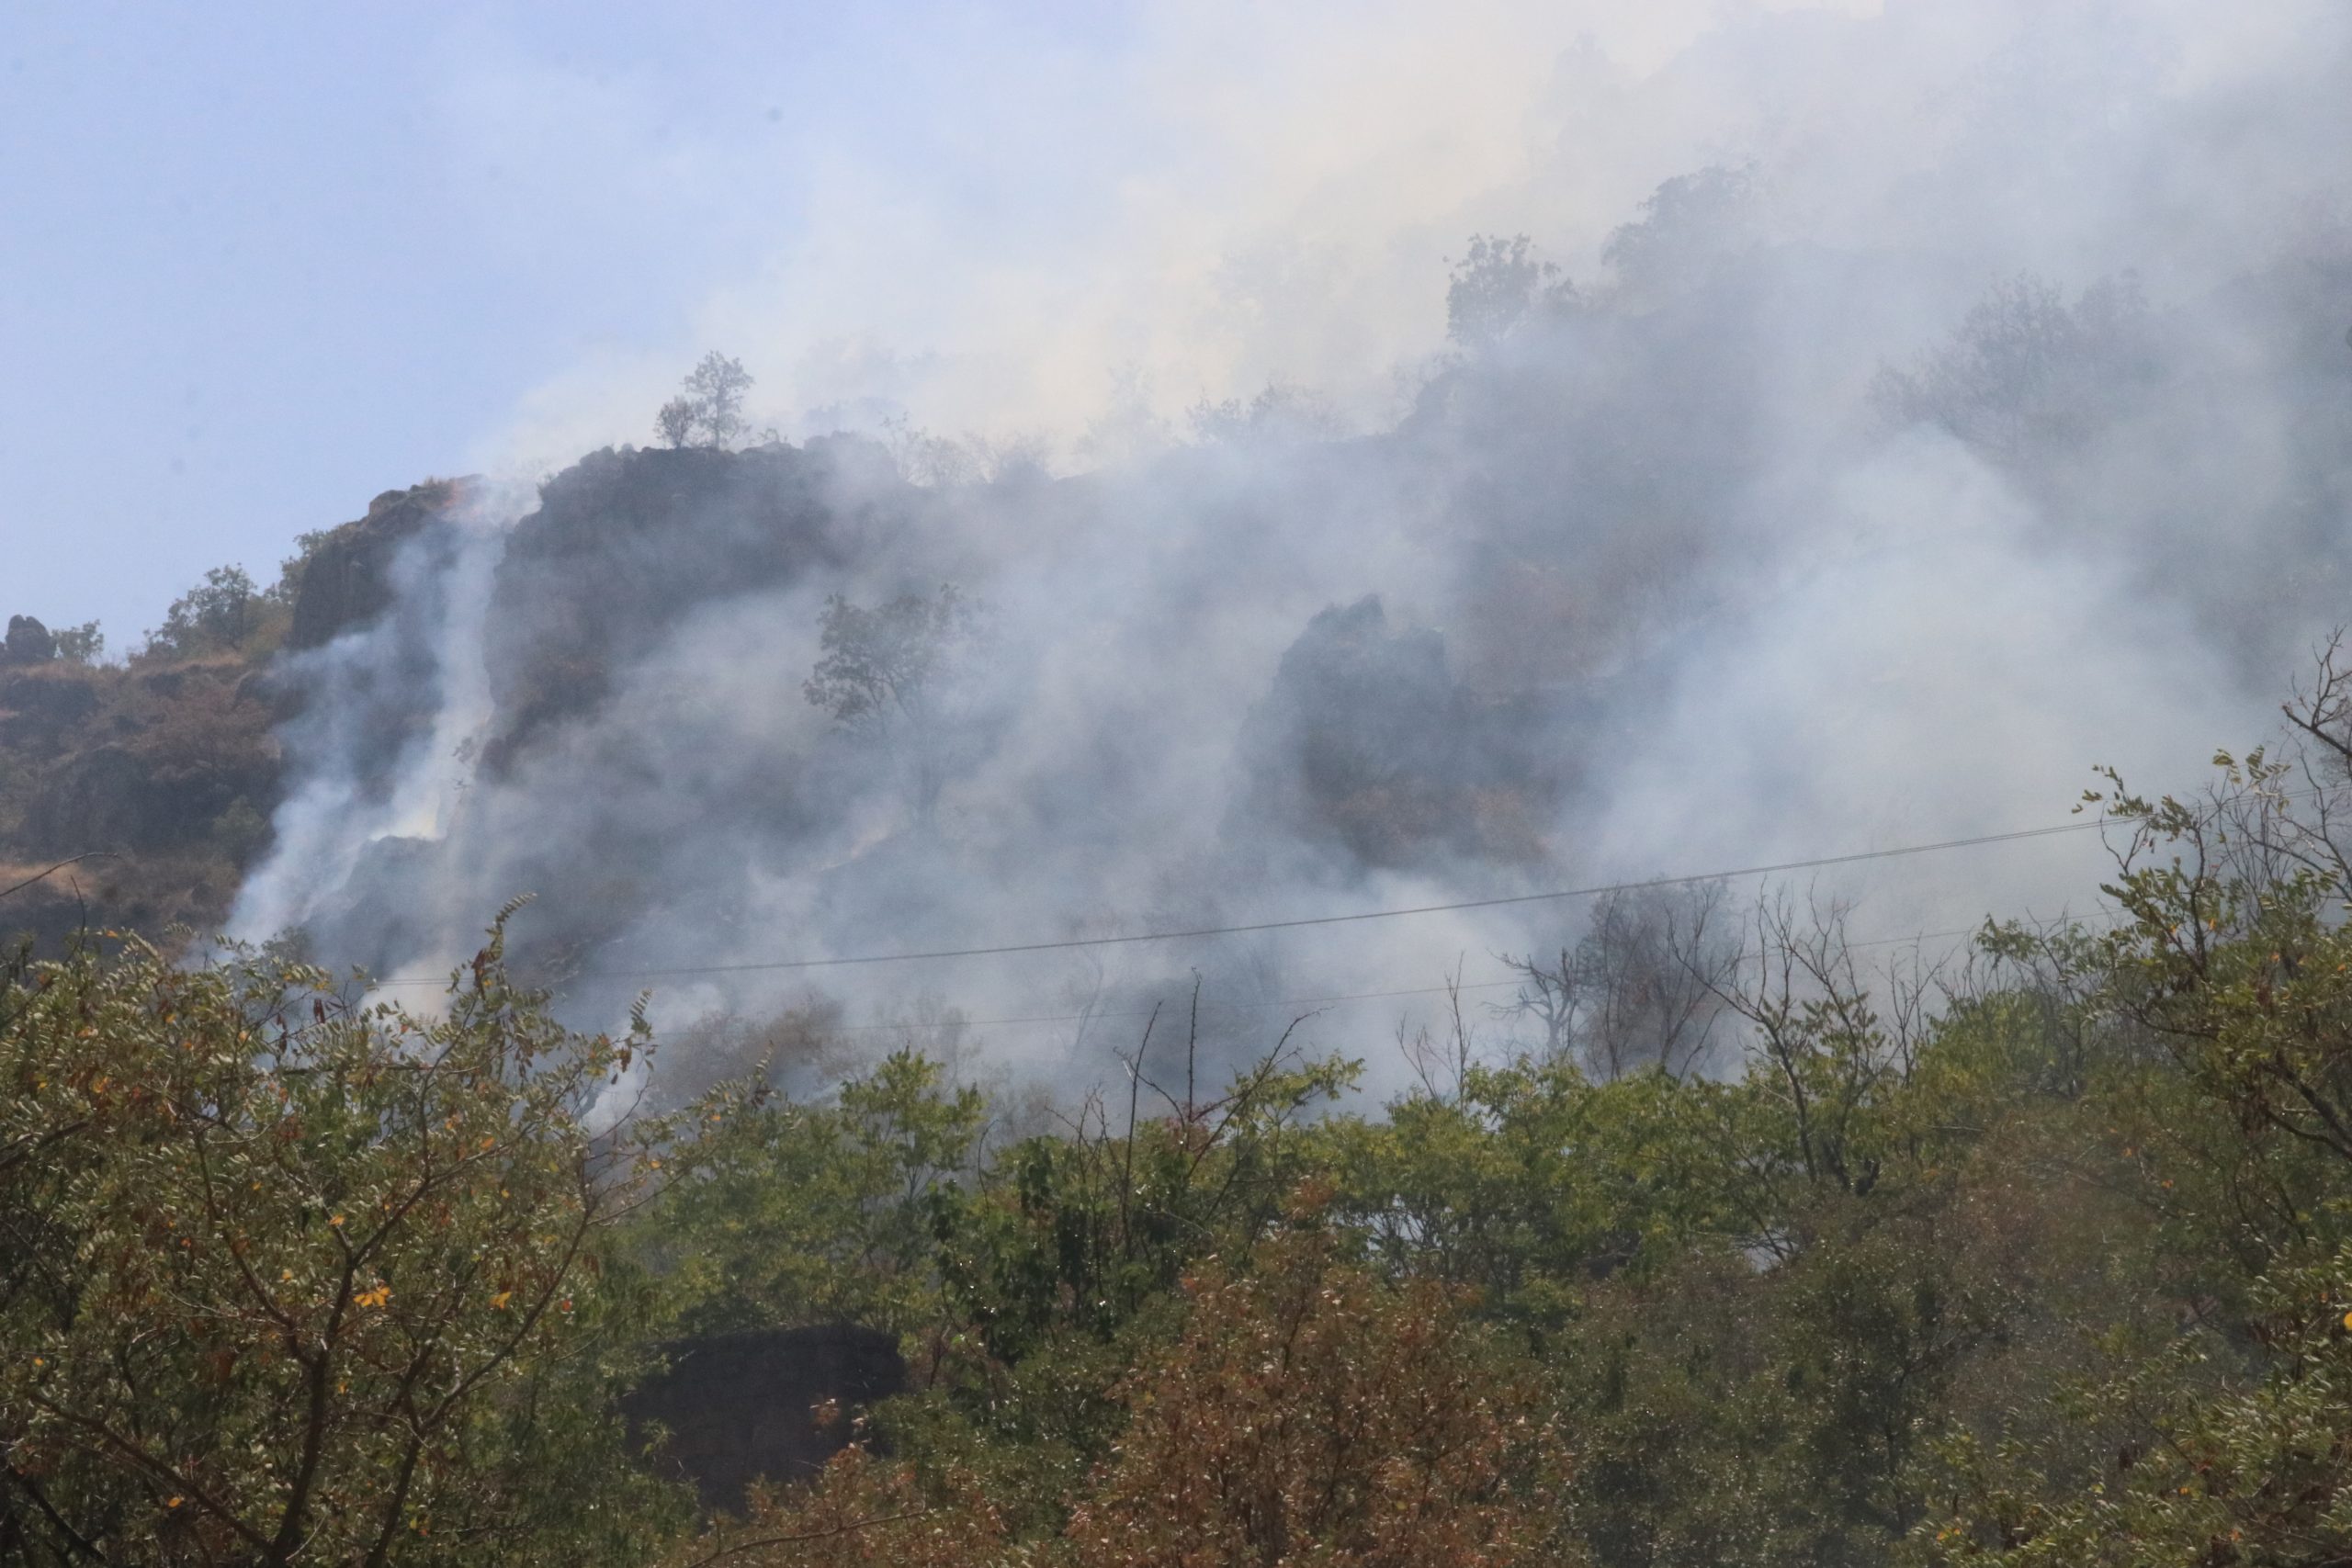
pixel 1597 890
pixel 1093 1017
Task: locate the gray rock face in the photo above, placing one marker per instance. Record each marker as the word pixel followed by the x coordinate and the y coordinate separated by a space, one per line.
pixel 348 579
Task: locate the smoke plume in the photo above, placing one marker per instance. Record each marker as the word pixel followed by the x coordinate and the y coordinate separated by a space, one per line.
pixel 1889 417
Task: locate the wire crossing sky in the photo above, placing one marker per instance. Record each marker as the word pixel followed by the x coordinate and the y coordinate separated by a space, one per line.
pixel 1504 901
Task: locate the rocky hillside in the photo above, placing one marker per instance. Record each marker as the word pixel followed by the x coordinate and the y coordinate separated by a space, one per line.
pixel 157 776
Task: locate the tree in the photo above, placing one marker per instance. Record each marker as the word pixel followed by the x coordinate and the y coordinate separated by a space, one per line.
pixel 883 672
pixel 860 1511
pixel 709 410
pixel 1310 1414
pixel 1497 286
pixel 2025 377
pixel 285 1280
pixel 1280 414
pixel 803 1213
pixel 1639 988
pixel 1690 225
pixel 2227 1084
pixel 216 615
pixel 717 388
pixel 83 644
pixel 675 423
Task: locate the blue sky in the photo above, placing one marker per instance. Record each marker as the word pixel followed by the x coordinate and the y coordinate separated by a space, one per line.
pixel 262 260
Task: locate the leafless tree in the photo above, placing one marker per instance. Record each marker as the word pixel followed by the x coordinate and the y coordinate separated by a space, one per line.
pixel 1442 1067
pixel 1639 989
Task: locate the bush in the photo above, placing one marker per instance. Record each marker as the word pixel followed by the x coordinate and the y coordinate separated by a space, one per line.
pixel 284 1280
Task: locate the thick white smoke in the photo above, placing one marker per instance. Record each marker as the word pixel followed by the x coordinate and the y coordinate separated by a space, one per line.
pixel 1942 401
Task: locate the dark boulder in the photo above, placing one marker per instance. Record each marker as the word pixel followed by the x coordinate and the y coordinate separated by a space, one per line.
pixel 28 642
pixel 763 1405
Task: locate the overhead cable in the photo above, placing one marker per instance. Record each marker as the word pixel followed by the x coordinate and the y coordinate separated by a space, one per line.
pixel 999 949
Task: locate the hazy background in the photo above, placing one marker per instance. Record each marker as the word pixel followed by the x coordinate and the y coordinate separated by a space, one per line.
pixel 1680 568
pixel 262 262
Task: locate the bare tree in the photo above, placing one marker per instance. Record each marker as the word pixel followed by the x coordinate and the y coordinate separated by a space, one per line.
pixel 1639 990
pixel 2305 826
pixel 1653 958
pixel 1442 1067
pixel 1551 991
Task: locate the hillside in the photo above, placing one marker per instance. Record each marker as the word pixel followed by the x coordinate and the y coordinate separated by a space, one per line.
pixel 157 776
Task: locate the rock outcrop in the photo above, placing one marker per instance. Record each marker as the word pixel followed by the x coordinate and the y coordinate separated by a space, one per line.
pixel 346 582
pixel 626 543
pixel 28 642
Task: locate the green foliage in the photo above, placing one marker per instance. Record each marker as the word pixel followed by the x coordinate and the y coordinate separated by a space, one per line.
pixel 887 662
pixel 2057 1269
pixel 1079 1232
pixel 889 673
pixel 2060 1271
pixel 83 644
pixel 2221 1436
pixel 226 612
pixel 1534 1181
pixel 291 1282
pixel 795 1213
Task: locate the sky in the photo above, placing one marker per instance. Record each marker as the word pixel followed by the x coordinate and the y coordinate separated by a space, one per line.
pixel 262 262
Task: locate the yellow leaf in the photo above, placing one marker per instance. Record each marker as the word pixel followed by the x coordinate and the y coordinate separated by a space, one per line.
pixel 174 1503
pixel 336 1221
pixel 499 1300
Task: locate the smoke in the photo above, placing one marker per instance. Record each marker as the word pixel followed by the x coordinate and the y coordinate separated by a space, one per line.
pixel 1919 408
